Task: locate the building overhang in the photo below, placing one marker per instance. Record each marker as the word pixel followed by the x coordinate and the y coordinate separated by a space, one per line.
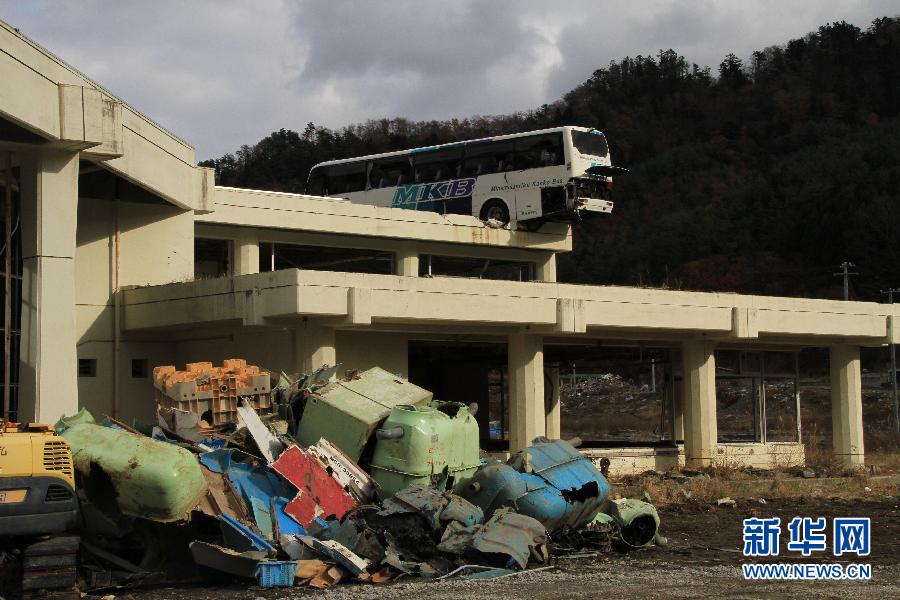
pixel 298 212
pixel 558 311
pixel 68 111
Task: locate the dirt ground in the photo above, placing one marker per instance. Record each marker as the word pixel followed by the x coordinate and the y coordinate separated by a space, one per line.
pixel 702 559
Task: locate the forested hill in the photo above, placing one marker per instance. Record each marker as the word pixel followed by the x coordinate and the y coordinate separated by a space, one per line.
pixel 759 178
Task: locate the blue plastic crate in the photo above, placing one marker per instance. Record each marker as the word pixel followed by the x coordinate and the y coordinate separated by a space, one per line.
pixel 276 573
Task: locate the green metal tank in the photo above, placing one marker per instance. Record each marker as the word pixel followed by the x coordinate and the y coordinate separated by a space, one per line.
pixel 145 478
pixel 425 444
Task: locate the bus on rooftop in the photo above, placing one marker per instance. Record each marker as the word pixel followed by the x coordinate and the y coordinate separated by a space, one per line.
pixel 537 176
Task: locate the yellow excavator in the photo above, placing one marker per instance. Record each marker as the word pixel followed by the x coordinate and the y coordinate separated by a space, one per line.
pixel 38 510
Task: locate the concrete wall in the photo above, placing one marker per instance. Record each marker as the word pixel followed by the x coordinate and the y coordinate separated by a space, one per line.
pixel 272 349
pixel 632 461
pixel 155 244
pixel 363 350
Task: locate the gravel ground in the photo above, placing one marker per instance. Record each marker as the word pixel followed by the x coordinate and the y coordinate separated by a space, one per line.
pixel 702 559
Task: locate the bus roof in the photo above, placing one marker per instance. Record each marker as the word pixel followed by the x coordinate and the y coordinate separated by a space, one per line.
pixel 508 136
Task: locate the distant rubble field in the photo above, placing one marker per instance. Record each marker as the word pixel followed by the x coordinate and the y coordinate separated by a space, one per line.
pixel 609 407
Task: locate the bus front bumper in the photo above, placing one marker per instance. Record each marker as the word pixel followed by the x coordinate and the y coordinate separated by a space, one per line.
pixel 593 205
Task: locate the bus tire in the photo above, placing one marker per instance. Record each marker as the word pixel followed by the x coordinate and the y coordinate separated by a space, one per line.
pixel 495 209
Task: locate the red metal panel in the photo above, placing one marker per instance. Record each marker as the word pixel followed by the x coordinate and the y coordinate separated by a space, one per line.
pixel 320 494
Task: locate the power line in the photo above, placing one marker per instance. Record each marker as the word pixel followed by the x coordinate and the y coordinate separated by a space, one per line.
pixel 890 294
pixel 846 273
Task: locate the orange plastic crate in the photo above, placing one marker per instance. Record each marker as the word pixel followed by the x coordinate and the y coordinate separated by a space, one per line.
pixel 213 393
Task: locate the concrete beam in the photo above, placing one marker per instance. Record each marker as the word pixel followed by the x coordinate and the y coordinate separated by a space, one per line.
pixel 298 212
pixel 527 414
pixel 545 268
pixel 91 121
pixel 699 402
pixel 406 260
pixel 608 312
pixel 743 323
pixel 314 346
pixel 846 404
pixel 570 316
pixel 246 252
pixel 48 369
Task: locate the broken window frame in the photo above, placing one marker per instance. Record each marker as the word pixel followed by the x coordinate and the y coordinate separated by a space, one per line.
pixel 12 306
pixel 752 364
pixel 666 438
pixel 427 268
pixel 269 261
pixel 225 262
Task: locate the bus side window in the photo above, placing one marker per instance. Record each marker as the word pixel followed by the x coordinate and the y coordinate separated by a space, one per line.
pixel 437 165
pixel 346 178
pixel 377 176
pixel 316 184
pixel 389 172
pixel 539 151
pixel 487 157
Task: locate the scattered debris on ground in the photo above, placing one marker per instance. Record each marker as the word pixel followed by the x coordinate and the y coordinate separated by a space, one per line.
pixel 314 480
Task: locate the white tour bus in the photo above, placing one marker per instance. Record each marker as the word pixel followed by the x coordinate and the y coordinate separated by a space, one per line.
pixel 548 174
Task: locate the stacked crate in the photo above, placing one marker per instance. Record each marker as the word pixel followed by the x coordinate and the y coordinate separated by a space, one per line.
pixel 213 392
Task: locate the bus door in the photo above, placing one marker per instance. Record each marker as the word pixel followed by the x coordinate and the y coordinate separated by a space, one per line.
pixel 539 166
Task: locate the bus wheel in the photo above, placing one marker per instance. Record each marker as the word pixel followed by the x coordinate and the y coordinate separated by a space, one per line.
pixel 496 210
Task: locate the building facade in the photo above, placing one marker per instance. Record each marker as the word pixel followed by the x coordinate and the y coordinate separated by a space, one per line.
pixel 125 255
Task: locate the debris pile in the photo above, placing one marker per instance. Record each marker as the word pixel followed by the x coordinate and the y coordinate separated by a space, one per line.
pixel 318 479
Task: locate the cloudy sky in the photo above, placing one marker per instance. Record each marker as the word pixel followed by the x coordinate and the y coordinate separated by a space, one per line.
pixel 222 73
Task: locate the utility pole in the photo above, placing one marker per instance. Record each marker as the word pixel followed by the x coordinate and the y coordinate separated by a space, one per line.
pixel 890 294
pixel 846 273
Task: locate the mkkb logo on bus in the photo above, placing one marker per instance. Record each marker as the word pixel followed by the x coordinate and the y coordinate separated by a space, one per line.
pixel 442 190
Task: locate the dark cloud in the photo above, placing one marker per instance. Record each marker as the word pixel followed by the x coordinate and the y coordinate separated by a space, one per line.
pixel 224 73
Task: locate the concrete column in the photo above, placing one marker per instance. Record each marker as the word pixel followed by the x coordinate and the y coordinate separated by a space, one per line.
pixel 552 395
pixel 48 370
pixel 846 404
pixel 545 268
pixel 699 402
pixel 527 415
pixel 246 252
pixel 407 261
pixel 313 347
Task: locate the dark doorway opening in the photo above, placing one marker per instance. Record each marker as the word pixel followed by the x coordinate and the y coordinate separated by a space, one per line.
pixel 467 372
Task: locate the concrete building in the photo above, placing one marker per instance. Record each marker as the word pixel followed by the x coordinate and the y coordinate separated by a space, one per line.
pixel 131 257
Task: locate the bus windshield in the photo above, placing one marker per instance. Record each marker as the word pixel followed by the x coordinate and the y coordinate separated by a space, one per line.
pixel 592 143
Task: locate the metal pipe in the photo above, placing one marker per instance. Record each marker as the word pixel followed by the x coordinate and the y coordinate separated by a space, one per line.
pixel 797 395
pixel 890 293
pixel 7 294
pixel 894 385
pixel 394 433
pixel 117 335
